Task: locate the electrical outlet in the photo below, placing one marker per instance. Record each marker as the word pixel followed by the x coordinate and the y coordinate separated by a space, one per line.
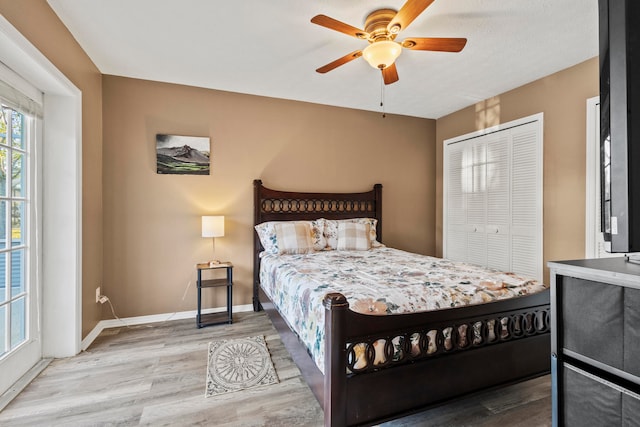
pixel 98 294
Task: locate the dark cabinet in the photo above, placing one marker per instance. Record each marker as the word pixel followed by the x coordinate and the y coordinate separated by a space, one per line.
pixel 595 342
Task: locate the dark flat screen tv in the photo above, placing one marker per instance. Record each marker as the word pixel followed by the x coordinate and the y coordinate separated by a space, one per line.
pixel 620 123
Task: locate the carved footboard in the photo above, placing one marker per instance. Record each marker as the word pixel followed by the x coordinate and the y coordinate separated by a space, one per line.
pixel 401 363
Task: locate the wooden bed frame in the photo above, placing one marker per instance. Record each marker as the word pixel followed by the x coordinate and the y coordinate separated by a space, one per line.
pixel 520 350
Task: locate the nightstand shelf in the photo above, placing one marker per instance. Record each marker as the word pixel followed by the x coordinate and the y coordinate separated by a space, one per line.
pixel 213 283
pixel 215 318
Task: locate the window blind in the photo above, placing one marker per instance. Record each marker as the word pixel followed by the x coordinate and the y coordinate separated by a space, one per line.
pixel 13 94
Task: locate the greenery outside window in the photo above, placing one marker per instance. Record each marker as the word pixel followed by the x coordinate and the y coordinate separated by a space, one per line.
pixel 14 289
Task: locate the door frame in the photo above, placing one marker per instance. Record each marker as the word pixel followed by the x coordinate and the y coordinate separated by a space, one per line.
pixel 61 211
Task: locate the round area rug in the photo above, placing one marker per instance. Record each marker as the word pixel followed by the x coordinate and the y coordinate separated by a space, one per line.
pixel 238 364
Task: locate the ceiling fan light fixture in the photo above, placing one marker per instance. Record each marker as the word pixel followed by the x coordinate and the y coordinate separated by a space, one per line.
pixel 382 54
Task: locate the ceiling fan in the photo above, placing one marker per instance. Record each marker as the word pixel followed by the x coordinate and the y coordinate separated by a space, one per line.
pixel 381 28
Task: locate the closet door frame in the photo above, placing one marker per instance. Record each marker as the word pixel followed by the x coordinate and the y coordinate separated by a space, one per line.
pixel 482 136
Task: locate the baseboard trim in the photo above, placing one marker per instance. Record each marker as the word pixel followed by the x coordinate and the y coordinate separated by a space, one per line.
pixel 23 382
pixel 152 318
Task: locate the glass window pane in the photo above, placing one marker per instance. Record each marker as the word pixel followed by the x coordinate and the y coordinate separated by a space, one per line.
pixel 17 272
pixel 14 183
pixel 17 174
pixel 17 223
pixel 4 152
pixel 3 224
pixel 18 322
pixel 3 329
pixel 17 126
pixel 4 120
pixel 3 277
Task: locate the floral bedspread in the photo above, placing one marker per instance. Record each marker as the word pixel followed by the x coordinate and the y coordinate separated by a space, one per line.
pixel 378 282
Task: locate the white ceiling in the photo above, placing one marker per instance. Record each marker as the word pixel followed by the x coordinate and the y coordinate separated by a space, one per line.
pixel 269 47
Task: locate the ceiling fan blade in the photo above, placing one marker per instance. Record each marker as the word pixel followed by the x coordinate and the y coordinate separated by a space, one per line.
pixel 390 74
pixel 407 13
pixel 334 24
pixel 340 61
pixel 440 44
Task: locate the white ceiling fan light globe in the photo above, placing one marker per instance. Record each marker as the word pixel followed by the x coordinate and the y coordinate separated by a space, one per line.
pixel 382 54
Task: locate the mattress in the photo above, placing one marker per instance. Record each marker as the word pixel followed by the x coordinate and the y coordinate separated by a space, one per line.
pixel 379 281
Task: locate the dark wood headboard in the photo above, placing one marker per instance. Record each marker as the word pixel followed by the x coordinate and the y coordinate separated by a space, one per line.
pixel 275 205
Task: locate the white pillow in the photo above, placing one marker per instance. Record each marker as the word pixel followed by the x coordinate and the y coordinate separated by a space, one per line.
pixel 267 235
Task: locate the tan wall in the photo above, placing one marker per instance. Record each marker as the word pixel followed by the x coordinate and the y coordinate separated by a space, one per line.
pixel 562 98
pixel 152 222
pixel 41 26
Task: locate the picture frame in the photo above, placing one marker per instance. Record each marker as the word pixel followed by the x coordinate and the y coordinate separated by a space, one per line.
pixel 183 155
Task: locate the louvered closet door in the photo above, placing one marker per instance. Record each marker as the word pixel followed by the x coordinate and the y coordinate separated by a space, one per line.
pixel 476 195
pixel 526 198
pixel 498 201
pixel 456 235
pixel 493 194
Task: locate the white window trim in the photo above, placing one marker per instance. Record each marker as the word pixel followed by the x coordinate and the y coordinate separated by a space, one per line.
pixel 593 237
pixel 61 212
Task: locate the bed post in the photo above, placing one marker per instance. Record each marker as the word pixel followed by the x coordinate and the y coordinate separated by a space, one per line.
pixel 257 209
pixel 335 360
pixel 377 189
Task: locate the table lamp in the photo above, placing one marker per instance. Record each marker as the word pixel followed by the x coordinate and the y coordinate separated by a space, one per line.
pixel 213 226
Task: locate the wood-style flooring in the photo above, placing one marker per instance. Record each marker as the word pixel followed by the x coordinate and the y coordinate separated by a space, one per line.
pixel 155 375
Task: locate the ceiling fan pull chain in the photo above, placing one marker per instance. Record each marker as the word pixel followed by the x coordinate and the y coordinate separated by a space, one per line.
pixel 382 95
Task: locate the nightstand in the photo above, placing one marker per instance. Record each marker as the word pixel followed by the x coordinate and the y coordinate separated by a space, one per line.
pixel 214 318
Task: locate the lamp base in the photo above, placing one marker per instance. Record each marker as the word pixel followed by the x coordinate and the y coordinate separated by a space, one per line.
pixel 213 263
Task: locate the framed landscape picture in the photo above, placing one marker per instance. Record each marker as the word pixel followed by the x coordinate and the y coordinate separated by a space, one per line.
pixel 183 155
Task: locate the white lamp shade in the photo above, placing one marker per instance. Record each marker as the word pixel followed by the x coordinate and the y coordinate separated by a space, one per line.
pixel 213 226
pixel 382 54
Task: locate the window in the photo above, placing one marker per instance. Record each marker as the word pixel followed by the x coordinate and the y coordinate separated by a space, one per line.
pixel 595 245
pixel 29 82
pixel 15 131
